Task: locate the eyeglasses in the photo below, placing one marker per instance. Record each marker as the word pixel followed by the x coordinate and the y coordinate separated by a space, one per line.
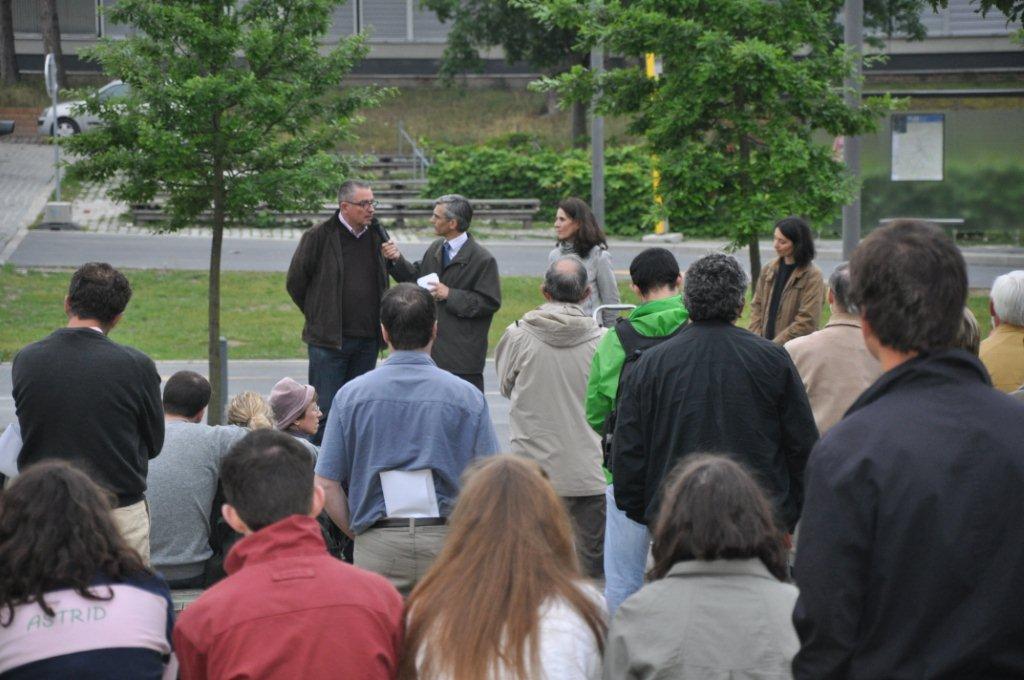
pixel 364 204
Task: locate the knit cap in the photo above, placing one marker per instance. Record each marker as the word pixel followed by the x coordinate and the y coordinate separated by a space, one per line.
pixel 289 400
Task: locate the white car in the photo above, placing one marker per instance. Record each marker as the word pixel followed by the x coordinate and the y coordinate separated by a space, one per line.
pixel 71 119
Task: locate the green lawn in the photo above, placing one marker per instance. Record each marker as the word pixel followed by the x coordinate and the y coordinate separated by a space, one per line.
pixel 167 315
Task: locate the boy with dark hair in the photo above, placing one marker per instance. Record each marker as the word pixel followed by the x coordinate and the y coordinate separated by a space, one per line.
pixel 655 279
pixel 910 555
pixel 82 398
pixel 287 609
pixel 182 484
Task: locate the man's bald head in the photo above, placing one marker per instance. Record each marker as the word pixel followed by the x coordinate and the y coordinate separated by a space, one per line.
pixel 566 280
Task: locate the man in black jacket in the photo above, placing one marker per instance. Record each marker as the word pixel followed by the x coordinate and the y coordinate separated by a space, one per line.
pixel 911 555
pixel 468 292
pixel 712 388
pixel 336 277
pixel 83 398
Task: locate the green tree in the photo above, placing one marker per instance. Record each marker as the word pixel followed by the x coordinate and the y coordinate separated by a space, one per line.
pixel 736 117
pixel 233 109
pixel 477 25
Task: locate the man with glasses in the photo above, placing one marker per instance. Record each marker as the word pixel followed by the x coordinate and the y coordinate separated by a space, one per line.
pixel 467 291
pixel 336 277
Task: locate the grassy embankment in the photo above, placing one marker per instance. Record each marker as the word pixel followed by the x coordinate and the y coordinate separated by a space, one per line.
pixel 167 315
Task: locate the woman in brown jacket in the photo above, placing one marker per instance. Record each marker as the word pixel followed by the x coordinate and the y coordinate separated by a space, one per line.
pixel 790 292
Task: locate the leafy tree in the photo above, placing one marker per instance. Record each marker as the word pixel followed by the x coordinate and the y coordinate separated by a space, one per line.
pixel 1013 9
pixel 478 25
pixel 233 109
pixel 745 86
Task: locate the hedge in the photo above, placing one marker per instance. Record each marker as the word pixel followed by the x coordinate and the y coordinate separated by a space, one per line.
pixel 516 166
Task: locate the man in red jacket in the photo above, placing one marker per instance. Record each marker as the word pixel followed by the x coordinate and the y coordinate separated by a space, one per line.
pixel 287 609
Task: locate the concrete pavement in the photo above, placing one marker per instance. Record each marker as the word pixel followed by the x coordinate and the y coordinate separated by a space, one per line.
pixel 260 376
pixel 526 257
pixel 26 179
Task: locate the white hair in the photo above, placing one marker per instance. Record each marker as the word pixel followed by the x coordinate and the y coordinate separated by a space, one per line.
pixel 1008 298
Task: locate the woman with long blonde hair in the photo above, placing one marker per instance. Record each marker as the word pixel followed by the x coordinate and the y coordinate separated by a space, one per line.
pixel 505 598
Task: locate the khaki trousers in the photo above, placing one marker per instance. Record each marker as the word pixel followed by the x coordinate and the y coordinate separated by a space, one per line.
pixel 400 554
pixel 133 523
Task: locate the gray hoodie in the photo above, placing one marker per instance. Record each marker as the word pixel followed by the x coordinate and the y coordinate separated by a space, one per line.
pixel 543 361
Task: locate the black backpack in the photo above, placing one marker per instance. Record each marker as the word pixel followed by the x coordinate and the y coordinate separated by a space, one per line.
pixel 633 345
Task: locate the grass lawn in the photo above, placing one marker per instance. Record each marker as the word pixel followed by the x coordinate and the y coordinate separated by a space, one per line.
pixel 167 315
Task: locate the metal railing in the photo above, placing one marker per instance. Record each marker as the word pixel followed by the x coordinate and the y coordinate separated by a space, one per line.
pixel 600 309
pixel 420 161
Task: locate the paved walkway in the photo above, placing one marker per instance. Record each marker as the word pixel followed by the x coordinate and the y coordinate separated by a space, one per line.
pixel 26 180
pixel 260 376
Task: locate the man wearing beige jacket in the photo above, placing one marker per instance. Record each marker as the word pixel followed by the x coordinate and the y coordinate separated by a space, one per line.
pixel 543 361
pixel 834 364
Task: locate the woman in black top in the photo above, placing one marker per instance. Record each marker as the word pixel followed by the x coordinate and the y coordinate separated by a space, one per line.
pixel 790 291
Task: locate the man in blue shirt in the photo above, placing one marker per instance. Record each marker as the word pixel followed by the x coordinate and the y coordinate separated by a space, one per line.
pixel 406 415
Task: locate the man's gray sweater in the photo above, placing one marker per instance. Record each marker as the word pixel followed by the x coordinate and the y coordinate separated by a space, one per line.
pixel 182 484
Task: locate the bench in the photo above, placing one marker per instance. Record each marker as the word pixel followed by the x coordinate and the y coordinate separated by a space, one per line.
pixel 396 209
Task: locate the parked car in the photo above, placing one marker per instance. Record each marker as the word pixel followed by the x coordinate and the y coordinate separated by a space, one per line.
pixel 71 119
pixel 6 127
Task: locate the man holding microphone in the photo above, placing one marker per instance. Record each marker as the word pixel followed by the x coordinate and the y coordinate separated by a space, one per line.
pixel 336 278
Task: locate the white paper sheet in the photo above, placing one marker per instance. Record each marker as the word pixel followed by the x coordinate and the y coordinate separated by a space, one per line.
pixel 10 447
pixel 429 281
pixel 409 493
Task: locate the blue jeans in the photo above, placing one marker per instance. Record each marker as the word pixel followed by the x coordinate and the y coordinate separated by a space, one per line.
pixel 331 368
pixel 626 544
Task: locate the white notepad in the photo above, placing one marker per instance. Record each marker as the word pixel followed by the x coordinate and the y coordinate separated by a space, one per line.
pixel 409 493
pixel 10 447
pixel 429 281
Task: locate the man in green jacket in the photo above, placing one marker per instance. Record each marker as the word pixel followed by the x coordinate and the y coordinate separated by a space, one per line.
pixel 656 279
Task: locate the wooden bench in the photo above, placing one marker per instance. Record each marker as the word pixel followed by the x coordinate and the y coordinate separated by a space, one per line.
pixel 954 226
pixel 396 209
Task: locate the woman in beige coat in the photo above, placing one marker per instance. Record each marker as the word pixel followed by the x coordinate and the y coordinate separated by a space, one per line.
pixel 718 607
pixel 790 292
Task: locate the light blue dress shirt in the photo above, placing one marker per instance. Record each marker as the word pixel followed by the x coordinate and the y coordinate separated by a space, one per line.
pixel 406 414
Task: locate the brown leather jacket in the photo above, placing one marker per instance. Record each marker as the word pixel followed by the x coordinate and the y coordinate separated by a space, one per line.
pixel 799 308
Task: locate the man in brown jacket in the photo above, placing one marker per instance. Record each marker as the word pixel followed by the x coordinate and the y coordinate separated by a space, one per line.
pixel 468 290
pixel 834 363
pixel 336 277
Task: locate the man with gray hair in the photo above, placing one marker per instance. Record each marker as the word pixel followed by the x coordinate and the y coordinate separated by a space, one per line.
pixel 834 363
pixel 1002 351
pixel 543 363
pixel 712 387
pixel 467 288
pixel 336 278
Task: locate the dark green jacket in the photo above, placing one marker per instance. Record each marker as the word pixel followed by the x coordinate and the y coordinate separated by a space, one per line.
pixel 315 279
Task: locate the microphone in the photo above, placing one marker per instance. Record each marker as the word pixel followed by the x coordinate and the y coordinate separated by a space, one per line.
pixel 379 229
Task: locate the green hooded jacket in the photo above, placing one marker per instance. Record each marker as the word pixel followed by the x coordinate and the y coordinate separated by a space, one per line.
pixel 659 317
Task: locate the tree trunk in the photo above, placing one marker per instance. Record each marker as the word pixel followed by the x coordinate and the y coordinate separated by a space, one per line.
pixel 579 125
pixel 51 36
pixel 9 73
pixel 215 412
pixel 752 243
pixel 755 260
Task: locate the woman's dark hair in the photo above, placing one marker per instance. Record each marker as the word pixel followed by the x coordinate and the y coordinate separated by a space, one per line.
pixel 798 231
pixel 713 509
pixel 56 532
pixel 590 233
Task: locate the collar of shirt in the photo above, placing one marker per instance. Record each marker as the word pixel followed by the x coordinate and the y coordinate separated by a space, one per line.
pixel 401 356
pixel 349 227
pixel 455 245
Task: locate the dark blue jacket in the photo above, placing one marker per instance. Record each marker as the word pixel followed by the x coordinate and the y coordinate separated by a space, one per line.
pixel 713 388
pixel 910 560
